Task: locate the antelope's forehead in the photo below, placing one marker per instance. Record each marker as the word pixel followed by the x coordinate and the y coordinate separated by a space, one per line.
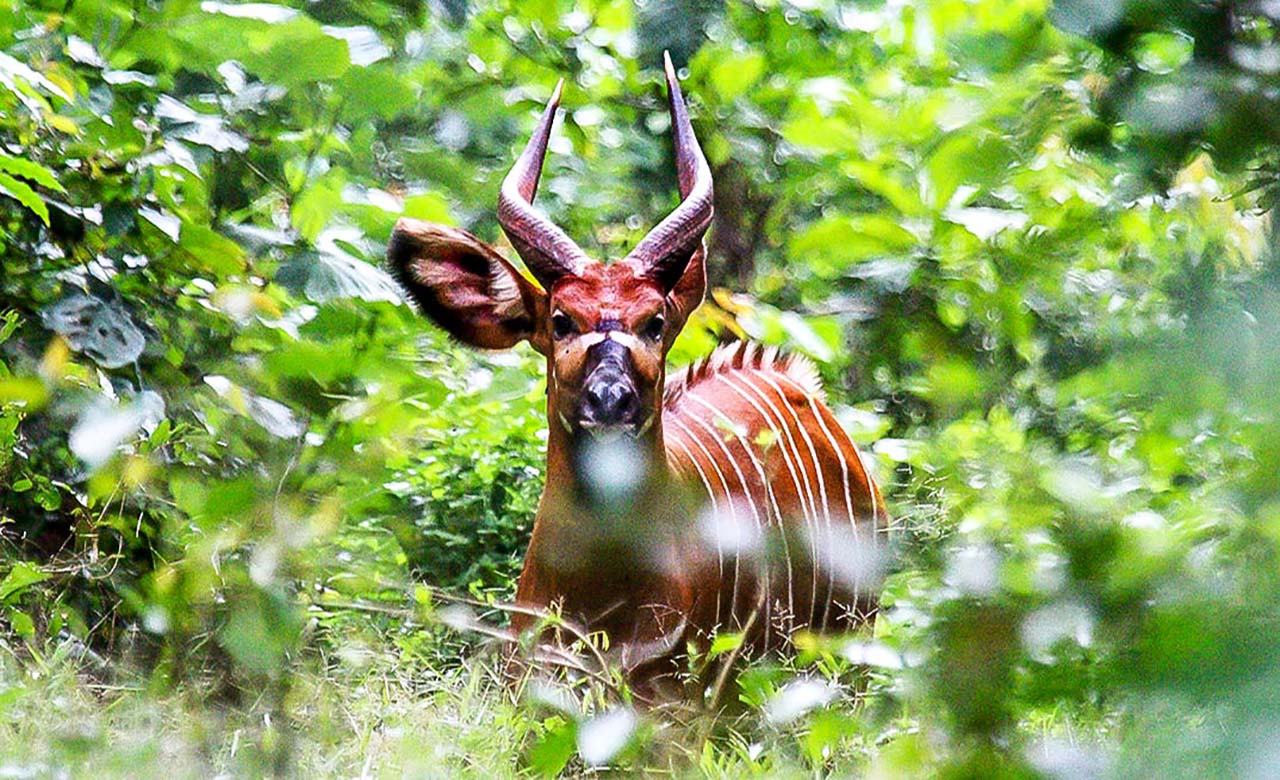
pixel 608 294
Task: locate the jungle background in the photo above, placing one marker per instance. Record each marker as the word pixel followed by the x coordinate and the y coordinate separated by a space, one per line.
pixel 252 505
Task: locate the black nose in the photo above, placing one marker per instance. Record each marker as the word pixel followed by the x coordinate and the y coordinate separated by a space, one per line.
pixel 609 402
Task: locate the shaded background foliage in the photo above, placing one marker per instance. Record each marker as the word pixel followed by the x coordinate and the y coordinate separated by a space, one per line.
pixel 1030 247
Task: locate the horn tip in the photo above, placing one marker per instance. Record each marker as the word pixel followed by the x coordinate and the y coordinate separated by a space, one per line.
pixel 668 67
pixel 555 94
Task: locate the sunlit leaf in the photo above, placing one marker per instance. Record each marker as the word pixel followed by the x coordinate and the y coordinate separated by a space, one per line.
pixel 24 195
pixel 20 577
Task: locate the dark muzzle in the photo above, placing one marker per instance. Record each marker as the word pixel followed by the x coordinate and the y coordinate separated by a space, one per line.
pixel 609 398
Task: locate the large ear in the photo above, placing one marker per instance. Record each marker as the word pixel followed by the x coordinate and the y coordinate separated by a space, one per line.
pixel 689 291
pixel 465 286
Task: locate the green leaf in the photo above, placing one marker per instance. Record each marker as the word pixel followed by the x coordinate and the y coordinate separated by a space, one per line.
pixel 430 206
pixel 296 53
pixel 27 391
pixel 734 74
pixel 22 623
pixel 374 91
pixel 317 204
pixel 724 643
pixel 20 166
pixel 554 749
pixel 830 245
pixel 978 161
pixel 877 179
pixel 213 251
pixel 24 195
pixel 22 576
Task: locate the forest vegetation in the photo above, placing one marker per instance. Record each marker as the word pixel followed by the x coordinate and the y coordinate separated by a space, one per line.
pixel 258 518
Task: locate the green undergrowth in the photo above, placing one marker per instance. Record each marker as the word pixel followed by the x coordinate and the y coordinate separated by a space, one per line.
pixel 377 716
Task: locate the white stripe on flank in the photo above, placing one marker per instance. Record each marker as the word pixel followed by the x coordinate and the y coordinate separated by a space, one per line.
pixel 787 438
pixel 777 513
pixel 755 513
pixel 848 500
pixel 733 510
pixel 822 488
pixel 712 495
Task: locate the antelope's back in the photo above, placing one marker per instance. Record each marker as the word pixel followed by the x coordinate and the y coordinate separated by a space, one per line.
pixel 792 512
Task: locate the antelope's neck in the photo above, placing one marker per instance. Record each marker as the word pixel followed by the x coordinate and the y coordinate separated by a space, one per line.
pixel 584 473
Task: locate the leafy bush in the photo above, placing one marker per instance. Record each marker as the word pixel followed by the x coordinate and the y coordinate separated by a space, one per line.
pixel 1031 248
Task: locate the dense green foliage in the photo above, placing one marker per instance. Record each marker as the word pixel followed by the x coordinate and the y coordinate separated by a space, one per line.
pixel 1030 248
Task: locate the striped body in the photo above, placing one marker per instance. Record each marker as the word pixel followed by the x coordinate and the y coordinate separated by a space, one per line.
pixel 752 429
pixel 727 498
pixel 774 532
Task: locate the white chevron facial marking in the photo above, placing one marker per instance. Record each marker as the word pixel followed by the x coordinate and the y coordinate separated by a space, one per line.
pixel 623 338
pixel 589 340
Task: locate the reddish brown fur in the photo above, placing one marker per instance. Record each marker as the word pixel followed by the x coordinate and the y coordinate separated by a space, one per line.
pixel 745 434
pixel 657 585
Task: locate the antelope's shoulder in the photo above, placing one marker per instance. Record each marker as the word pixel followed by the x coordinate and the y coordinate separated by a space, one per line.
pixel 746 360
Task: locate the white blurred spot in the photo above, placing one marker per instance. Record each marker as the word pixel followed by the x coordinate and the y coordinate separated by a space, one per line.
pixel 872 654
pixel 556 697
pixel 82 51
pixel 613 467
pixel 1049 572
pixel 263 12
pixel 101 429
pixel 732 529
pixel 263 564
pixel 364 47
pixel 1145 519
pixel 1047 626
pixel 984 222
pixel 1077 485
pixel 604 736
pixel 796 698
pixel 896 450
pixel 973 570
pixel 155 619
pixel 1259 59
pixel 854 557
pixel 1060 759
pixel 1261 752
pixel 457 617
pixel 355 655
pixel 274 416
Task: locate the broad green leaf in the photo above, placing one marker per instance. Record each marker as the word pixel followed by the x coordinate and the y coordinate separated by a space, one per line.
pixel 882 182
pixel 978 160
pixel 430 206
pixel 724 643
pixel 212 251
pixel 296 53
pixel 554 748
pixel 830 245
pixel 22 576
pixel 24 195
pixel 315 207
pixel 20 166
pixel 735 73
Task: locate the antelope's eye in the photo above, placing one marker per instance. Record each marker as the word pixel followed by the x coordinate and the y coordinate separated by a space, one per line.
pixel 562 325
pixel 653 328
